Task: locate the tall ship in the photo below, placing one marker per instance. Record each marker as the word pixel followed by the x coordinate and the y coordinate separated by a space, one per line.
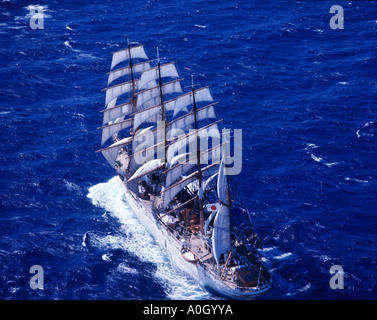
pixel 174 164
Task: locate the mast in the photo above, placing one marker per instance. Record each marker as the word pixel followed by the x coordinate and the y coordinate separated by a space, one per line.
pixel 198 156
pixel 132 77
pixel 228 200
pixel 163 117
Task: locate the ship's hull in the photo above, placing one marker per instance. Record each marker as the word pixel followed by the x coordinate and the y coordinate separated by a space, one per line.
pixel 173 247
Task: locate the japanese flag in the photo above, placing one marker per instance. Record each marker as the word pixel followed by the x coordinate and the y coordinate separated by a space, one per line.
pixel 213 206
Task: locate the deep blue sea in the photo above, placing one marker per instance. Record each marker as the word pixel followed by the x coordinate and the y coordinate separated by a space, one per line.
pixel 303 94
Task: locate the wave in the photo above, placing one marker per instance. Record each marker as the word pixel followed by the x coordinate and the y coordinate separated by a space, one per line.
pixel 309 147
pixel 135 239
pixel 321 160
pixel 283 256
pixel 367 130
pixel 356 180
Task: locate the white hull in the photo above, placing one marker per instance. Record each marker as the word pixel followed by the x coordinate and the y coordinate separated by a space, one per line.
pixel 173 247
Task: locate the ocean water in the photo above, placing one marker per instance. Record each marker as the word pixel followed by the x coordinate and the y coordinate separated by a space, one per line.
pixel 303 94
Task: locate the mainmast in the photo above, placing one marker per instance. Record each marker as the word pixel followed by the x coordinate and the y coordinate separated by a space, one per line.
pixel 200 177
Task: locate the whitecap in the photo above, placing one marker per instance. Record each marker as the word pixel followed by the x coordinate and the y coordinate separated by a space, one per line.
pixel 355 180
pixel 106 257
pixel 71 186
pixel 367 134
pixel 200 26
pixel 305 288
pixel 320 160
pixel 125 269
pixel 84 238
pixel 324 258
pixel 330 164
pixel 283 256
pixel 269 249
pixel 317 159
pixel 311 146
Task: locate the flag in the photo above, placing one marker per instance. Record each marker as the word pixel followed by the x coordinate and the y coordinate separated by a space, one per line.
pixel 213 206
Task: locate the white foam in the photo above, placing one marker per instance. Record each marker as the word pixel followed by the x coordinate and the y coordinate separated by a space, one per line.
pixel 106 257
pixel 125 269
pixel 317 159
pixel 356 180
pixel 358 134
pixel 135 239
pixel 311 146
pixel 71 186
pixel 305 288
pixel 269 249
pixel 283 256
pixel 320 160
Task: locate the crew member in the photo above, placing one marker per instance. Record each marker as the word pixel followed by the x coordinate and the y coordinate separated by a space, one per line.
pixel 143 190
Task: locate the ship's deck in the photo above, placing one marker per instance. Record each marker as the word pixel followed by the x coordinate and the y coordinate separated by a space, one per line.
pixel 247 275
pixel 235 274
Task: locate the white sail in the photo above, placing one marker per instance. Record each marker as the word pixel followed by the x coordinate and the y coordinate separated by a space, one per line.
pixel 180 158
pixel 119 89
pixel 182 102
pixel 173 190
pixel 170 192
pixel 174 173
pixel 146 168
pixel 182 123
pixel 112 103
pixel 147 115
pixel 221 239
pixel 179 146
pixel 208 222
pixel 122 55
pixel 222 182
pixel 110 153
pixel 111 114
pixel 206 184
pixel 151 97
pixel 187 120
pixel 111 129
pixel 143 155
pixel 166 70
pixel 136 68
pixel 142 134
